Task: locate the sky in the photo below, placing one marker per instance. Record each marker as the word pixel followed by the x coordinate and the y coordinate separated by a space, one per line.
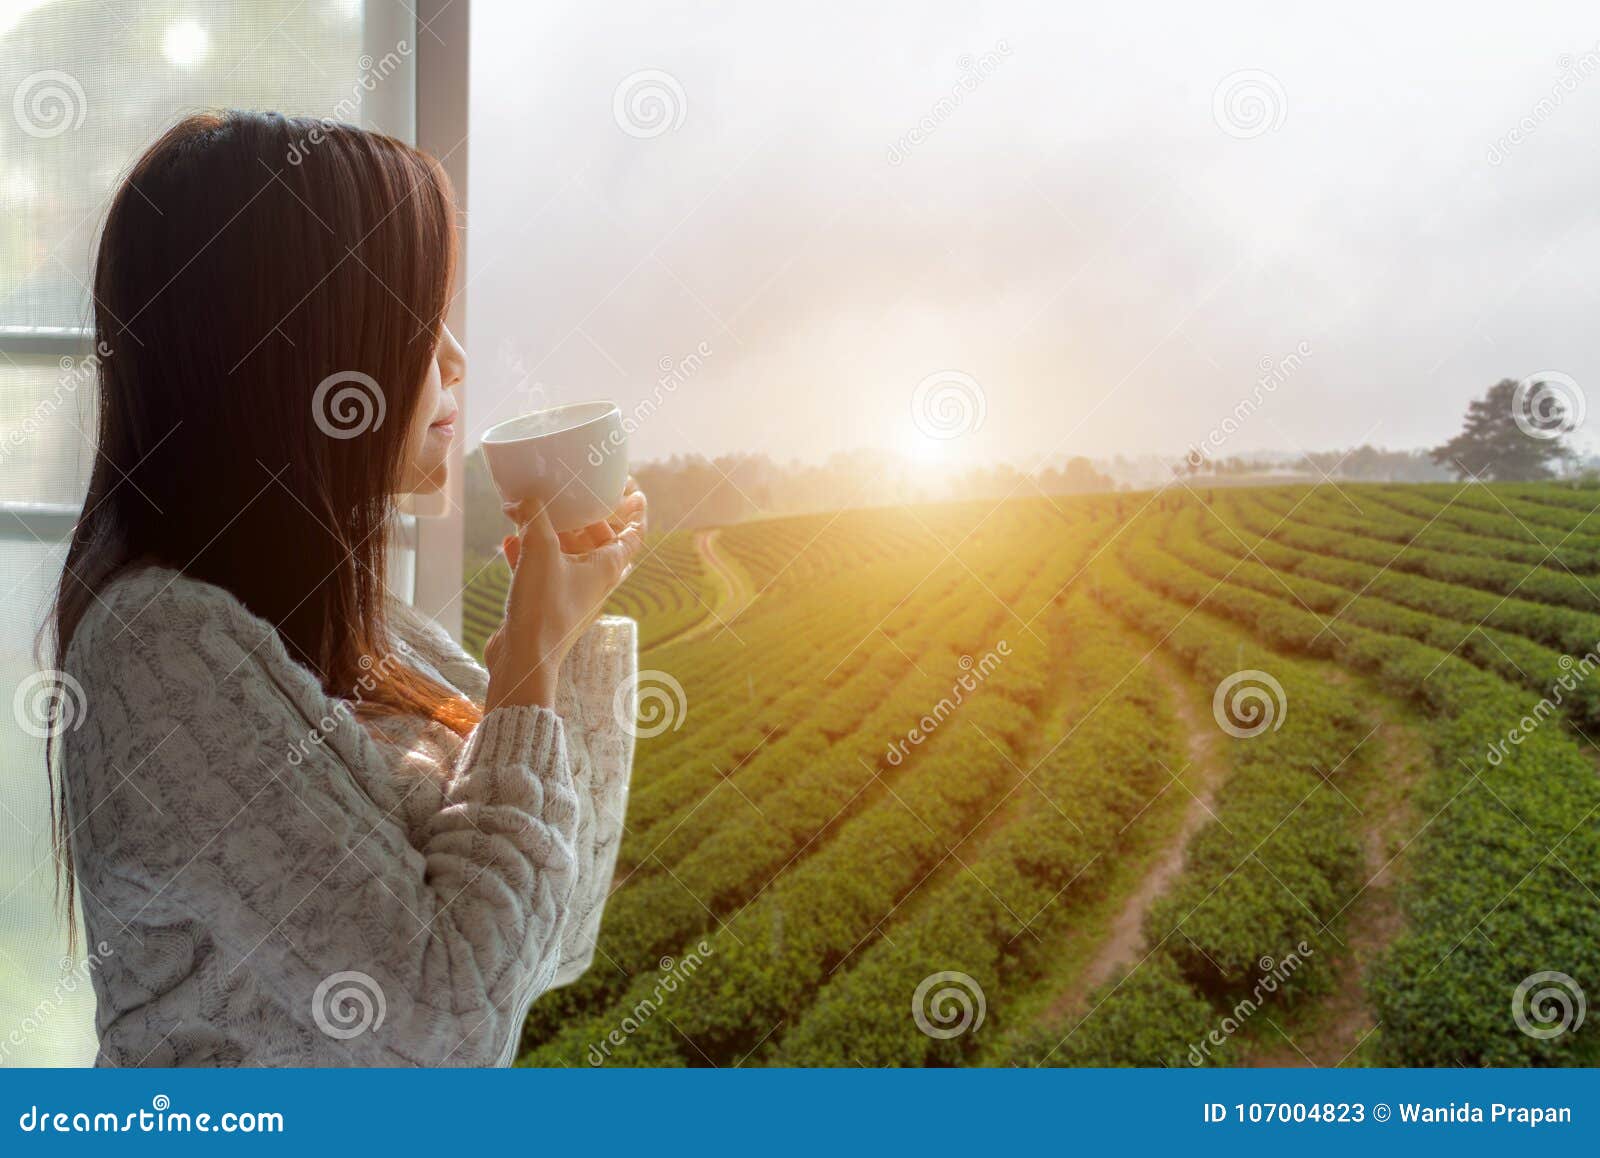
pixel 1020 232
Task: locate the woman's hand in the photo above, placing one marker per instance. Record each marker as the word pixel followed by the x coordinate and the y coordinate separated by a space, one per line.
pixel 559 583
pixel 595 535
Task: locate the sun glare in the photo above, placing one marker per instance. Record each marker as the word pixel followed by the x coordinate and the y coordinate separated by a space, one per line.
pixel 922 450
pixel 185 43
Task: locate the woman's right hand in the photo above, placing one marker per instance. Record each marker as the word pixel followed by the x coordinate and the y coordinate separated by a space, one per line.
pixel 554 597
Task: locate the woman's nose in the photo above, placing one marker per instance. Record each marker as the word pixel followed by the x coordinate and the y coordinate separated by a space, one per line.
pixel 452 361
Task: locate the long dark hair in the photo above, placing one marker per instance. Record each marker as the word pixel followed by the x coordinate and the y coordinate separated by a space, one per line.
pixel 268 295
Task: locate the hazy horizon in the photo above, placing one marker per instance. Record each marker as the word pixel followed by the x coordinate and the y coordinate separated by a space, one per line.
pixel 1164 458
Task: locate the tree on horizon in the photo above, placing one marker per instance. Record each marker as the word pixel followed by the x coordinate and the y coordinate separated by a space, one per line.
pixel 1495 444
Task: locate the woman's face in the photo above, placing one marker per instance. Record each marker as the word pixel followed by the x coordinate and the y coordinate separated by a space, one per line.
pixel 434 427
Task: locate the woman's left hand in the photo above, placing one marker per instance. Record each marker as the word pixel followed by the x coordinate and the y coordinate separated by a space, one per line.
pixel 595 535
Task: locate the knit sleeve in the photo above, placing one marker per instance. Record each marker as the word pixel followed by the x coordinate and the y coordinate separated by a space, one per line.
pixel 212 780
pixel 601 673
pixel 596 698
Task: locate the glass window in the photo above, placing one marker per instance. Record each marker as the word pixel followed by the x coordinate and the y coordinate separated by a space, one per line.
pixel 84 86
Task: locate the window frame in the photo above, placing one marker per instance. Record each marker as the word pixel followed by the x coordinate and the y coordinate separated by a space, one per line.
pixel 443 58
pixel 432 527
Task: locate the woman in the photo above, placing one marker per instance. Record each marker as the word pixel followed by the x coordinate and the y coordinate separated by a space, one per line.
pixel 309 828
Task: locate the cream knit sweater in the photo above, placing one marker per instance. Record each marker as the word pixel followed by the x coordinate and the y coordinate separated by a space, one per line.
pixel 280 883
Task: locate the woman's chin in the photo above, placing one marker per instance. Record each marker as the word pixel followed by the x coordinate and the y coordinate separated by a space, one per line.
pixel 429 482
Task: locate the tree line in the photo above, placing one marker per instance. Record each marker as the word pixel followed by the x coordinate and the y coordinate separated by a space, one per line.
pixel 689 491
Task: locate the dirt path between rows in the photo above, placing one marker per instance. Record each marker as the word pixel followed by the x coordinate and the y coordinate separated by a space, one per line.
pixel 1203 773
pixel 736 594
pixel 1345 1018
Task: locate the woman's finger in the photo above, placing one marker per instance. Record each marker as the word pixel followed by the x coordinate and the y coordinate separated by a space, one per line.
pixel 614 560
pixel 511 547
pixel 537 537
pixel 522 511
pixel 632 503
pixel 630 510
pixel 587 538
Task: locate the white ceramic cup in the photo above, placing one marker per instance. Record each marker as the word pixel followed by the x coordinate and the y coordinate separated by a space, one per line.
pixel 572 458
